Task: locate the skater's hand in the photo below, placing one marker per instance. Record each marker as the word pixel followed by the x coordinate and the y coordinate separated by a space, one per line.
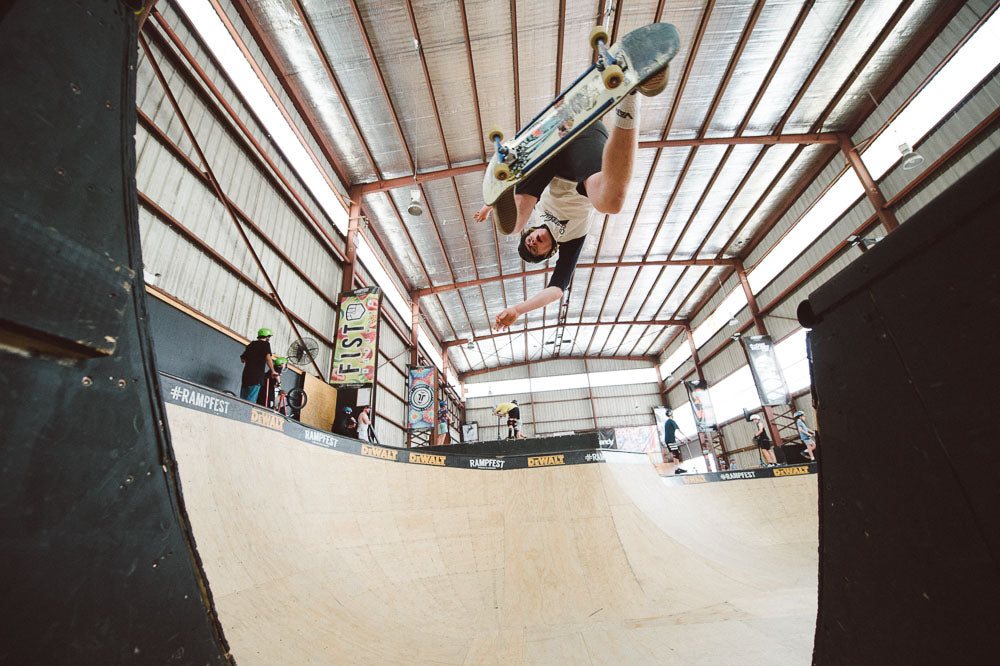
pixel 482 214
pixel 505 319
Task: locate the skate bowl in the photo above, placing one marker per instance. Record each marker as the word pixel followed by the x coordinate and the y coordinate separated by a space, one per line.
pixel 319 549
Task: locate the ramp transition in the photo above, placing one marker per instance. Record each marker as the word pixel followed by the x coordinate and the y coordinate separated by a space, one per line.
pixel 315 554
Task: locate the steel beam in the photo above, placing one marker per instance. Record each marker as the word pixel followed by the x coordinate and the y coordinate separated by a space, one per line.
pixel 654 322
pixel 874 194
pixel 427 291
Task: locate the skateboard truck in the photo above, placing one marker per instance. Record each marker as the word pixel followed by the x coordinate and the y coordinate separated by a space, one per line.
pixel 611 68
pixel 501 171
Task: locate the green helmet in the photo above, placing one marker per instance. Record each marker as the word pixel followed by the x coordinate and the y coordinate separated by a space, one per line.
pixel 264 333
pixel 280 360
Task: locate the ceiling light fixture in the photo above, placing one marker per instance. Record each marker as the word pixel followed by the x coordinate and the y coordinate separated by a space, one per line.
pixel 415 208
pixel 911 160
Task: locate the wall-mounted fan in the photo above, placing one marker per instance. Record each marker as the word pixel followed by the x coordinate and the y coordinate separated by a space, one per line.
pixel 303 351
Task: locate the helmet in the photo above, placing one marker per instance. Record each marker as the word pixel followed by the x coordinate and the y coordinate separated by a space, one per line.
pixel 513 402
pixel 670 412
pixel 264 333
pixel 443 403
pixel 755 417
pixel 522 248
pixel 347 410
pixel 280 360
pixel 799 413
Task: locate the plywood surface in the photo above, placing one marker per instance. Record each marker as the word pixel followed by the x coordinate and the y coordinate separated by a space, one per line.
pixel 317 556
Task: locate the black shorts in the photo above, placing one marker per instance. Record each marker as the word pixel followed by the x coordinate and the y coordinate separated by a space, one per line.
pixel 512 422
pixel 764 444
pixel 576 162
pixel 676 453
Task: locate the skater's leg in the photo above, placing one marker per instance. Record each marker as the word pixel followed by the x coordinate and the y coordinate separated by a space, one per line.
pixel 606 189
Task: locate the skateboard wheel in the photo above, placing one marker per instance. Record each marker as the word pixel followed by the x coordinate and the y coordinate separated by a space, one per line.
pixel 501 171
pixel 598 33
pixel 612 76
pixel 495 134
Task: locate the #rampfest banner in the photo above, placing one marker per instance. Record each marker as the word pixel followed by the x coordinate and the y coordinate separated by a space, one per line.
pixel 420 412
pixel 767 375
pixel 357 338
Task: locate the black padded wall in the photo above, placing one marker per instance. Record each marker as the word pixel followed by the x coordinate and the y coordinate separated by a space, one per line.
pixel 99 566
pixel 904 359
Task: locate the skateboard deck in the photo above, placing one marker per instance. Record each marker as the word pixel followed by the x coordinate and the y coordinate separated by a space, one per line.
pixel 639 54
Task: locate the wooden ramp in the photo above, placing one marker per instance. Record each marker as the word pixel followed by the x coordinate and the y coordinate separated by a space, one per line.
pixel 318 556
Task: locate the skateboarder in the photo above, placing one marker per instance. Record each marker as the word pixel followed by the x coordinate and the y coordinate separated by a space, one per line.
pixel 513 413
pixel 806 434
pixel 670 432
pixel 591 173
pixel 763 442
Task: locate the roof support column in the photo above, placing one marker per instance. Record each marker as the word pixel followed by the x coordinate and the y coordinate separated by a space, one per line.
pixel 885 214
pixel 758 321
pixel 353 227
pixel 590 392
pixel 704 439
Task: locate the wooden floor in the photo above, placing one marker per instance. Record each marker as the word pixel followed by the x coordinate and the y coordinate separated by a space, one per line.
pixel 316 556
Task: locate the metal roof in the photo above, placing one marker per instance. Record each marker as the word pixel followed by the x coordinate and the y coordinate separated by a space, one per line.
pixel 399 94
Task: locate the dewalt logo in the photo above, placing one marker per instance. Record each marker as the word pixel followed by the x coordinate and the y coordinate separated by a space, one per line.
pixel 378 452
pixel 791 471
pixel 426 459
pixel 545 461
pixel 267 419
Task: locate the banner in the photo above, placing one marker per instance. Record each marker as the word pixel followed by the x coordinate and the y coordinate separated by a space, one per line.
pixel 420 415
pixel 767 375
pixel 701 405
pixel 660 417
pixel 357 338
pixel 638 439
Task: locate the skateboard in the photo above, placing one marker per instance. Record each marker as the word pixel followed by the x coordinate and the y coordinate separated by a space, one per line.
pixel 618 70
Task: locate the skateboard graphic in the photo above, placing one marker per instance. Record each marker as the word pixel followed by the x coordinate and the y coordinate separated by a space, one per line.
pixel 619 69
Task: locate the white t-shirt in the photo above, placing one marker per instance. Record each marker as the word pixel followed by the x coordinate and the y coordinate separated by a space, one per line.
pixel 563 210
pixel 566 214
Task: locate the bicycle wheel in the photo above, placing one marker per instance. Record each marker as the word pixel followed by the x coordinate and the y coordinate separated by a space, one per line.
pixel 297 398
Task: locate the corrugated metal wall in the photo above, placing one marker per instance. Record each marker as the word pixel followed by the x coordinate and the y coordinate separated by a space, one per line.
pixel 191 246
pixel 567 410
pixel 721 356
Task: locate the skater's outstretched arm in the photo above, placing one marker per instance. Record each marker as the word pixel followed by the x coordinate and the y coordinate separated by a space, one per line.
pixel 539 300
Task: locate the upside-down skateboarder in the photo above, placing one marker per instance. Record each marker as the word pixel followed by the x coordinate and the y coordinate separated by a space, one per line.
pixel 591 173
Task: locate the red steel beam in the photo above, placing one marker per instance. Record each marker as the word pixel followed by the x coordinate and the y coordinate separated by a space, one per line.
pixel 426 291
pixel 473 373
pixel 872 191
pixel 653 322
pixel 767 140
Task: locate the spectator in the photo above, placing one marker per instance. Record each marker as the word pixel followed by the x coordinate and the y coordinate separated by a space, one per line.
pixel 670 431
pixel 365 431
pixel 346 424
pixel 763 442
pixel 257 363
pixel 806 435
pixel 271 382
pixel 444 418
pixel 513 413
